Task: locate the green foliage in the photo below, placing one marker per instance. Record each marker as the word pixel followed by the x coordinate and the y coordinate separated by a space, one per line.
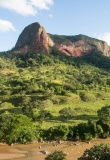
pixel 104 120
pixel 56 155
pixel 105 125
pixel 28 110
pixel 25 100
pixel 45 104
pixel 6 105
pixel 97 59
pixel 97 152
pixel 16 128
pixel 44 115
pixel 41 86
pixel 87 96
pixel 58 133
pixel 6 63
pixel 67 113
pixel 61 39
pixel 84 131
pixel 104 112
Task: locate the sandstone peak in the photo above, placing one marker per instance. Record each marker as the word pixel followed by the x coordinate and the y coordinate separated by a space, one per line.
pixel 35 38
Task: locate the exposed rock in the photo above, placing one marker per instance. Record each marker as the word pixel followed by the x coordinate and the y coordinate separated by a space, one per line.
pixel 34 38
pixel 82 46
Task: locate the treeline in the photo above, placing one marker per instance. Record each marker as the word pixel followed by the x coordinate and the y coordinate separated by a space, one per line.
pixel 97 59
pixel 83 131
pixel 20 129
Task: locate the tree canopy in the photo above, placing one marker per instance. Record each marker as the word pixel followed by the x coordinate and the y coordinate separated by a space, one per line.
pixel 56 155
pixel 97 152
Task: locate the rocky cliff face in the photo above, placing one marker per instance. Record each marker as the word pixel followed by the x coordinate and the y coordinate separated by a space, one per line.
pixel 34 38
pixel 83 47
pixel 79 45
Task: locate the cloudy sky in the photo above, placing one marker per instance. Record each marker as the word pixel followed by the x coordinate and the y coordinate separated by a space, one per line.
pixel 64 17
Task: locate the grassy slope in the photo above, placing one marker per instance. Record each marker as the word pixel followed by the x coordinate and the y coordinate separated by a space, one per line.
pixel 59 74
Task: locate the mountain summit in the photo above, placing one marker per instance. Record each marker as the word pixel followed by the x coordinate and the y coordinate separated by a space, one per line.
pixel 35 38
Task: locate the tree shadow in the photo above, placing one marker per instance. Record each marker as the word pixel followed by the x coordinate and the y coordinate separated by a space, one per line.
pixel 83 117
pixel 86 117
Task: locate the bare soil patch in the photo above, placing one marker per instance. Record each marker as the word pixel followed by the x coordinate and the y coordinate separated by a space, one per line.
pixel 34 151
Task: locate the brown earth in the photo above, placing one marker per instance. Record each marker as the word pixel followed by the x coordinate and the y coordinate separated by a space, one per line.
pixel 6 71
pixel 34 151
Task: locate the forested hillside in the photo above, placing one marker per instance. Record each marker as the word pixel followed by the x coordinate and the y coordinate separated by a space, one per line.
pixel 52 90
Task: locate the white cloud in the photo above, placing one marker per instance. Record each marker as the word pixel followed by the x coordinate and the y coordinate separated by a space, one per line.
pixel 105 37
pixel 42 4
pixel 25 7
pixel 6 26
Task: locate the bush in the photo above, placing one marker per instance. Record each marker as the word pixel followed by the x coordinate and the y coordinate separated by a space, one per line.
pixel 105 125
pixel 67 112
pixel 97 152
pixel 16 128
pixel 6 105
pixel 84 131
pixel 56 155
pixel 58 133
pixel 87 96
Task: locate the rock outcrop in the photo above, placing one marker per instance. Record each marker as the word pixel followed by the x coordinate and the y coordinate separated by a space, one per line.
pixel 79 45
pixel 34 38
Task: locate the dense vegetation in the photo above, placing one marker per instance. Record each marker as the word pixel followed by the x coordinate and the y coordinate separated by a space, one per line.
pixel 61 38
pixel 98 152
pixel 54 94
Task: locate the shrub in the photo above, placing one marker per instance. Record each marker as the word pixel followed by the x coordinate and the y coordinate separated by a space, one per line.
pixel 87 96
pixel 58 133
pixel 56 155
pixel 97 152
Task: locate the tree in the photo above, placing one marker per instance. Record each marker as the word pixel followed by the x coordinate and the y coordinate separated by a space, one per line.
pixel 16 128
pixel 67 112
pixel 104 121
pixel 97 152
pixel 45 104
pixel 58 132
pixel 56 155
pixel 44 115
pixel 104 112
pixel 25 100
pixel 6 105
pixel 28 110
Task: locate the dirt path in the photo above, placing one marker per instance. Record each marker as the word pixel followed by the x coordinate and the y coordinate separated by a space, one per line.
pixel 34 151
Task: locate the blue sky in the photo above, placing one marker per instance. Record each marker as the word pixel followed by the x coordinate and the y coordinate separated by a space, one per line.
pixel 64 17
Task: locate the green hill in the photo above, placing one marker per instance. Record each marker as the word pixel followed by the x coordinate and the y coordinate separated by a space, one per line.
pixel 47 87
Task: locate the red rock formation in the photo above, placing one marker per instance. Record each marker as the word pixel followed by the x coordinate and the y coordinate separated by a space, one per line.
pixel 34 38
